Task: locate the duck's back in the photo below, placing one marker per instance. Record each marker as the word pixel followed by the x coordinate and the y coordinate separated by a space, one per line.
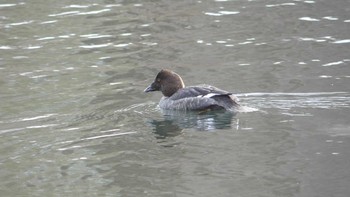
pixel 200 97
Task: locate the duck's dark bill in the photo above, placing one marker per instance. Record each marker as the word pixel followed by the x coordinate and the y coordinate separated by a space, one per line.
pixel 150 89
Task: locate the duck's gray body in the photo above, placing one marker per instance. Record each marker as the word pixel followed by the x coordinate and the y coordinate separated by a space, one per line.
pixel 200 97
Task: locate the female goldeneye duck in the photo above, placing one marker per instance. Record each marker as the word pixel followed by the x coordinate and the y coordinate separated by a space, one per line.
pixel 201 97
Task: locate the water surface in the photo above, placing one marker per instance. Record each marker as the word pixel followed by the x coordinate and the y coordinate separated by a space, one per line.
pixel 74 119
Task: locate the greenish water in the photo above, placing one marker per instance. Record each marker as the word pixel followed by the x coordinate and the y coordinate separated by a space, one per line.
pixel 74 120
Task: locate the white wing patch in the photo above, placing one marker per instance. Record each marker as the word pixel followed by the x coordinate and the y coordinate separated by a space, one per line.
pixel 208 95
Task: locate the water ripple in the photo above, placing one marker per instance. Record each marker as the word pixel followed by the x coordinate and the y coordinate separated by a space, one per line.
pixel 331 18
pixel 309 2
pixel 7 5
pixel 65 13
pixel 333 63
pixel 346 41
pixel 41 126
pixel 122 45
pixel 94 12
pixel 77 6
pixel 38 117
pixel 281 4
pixel 5 47
pixel 92 46
pixel 49 22
pixel 109 135
pixel 221 13
pixel 312 39
pixel 320 100
pixel 306 18
pixel 19 23
pixel 92 36
pixel 76 13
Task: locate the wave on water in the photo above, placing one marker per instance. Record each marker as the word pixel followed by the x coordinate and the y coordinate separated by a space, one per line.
pixel 320 100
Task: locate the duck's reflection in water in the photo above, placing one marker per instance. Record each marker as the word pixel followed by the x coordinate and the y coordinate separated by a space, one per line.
pixel 175 121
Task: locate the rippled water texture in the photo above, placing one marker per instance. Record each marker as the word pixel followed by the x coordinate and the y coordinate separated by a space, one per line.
pixel 74 120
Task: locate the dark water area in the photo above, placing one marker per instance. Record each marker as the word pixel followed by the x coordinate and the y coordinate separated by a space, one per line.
pixel 74 120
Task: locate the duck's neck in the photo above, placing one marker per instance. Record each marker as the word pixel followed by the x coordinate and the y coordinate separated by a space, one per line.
pixel 173 87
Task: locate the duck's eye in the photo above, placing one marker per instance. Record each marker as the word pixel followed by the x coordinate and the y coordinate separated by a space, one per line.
pixel 158 80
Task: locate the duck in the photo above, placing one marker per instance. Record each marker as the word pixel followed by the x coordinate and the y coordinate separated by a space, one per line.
pixel 192 98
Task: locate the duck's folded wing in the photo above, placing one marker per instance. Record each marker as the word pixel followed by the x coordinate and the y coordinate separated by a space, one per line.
pixel 205 91
pixel 200 97
pixel 189 103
